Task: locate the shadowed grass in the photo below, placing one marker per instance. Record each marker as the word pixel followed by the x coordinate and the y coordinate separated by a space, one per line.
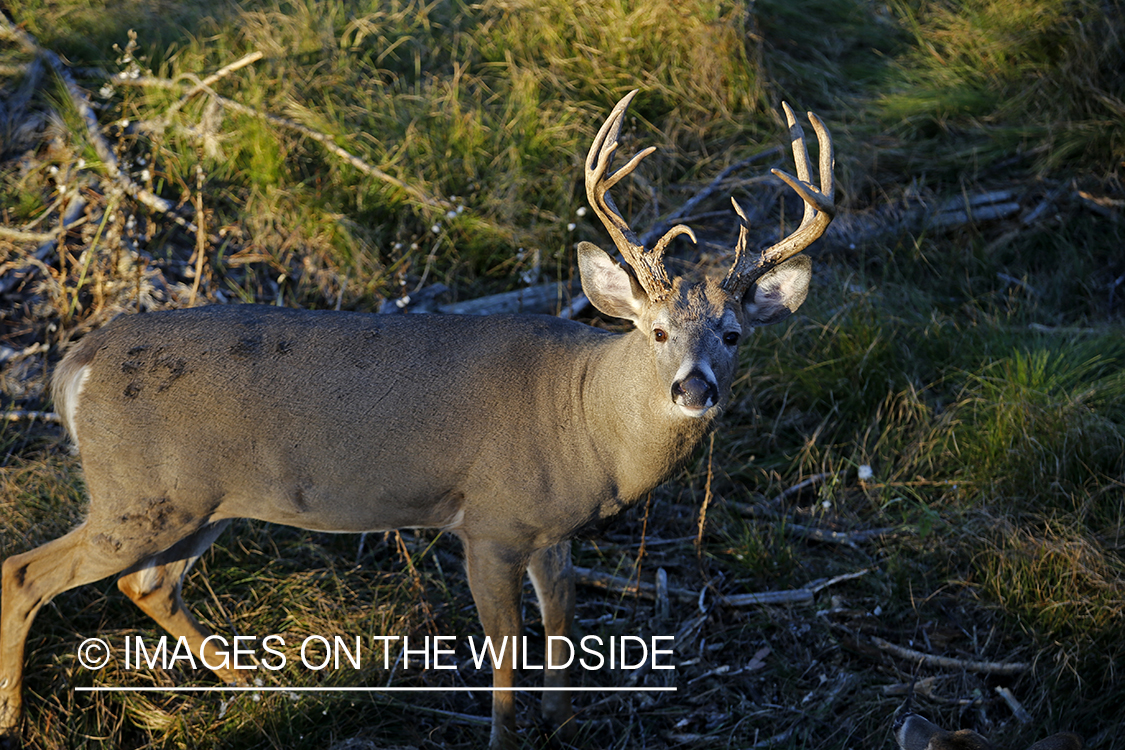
pixel 1038 75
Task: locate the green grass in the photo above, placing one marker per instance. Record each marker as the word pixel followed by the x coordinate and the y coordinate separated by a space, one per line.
pixel 994 77
pixel 977 372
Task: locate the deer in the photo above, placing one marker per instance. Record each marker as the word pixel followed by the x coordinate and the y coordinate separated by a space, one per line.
pixel 512 432
pixel 912 732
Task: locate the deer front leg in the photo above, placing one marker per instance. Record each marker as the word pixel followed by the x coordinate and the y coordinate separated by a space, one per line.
pixel 495 579
pixel 553 577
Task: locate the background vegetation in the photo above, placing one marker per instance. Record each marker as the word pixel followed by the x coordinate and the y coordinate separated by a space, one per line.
pixel 954 390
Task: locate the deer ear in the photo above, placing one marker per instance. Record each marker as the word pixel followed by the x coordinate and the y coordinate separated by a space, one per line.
pixel 609 285
pixel 778 293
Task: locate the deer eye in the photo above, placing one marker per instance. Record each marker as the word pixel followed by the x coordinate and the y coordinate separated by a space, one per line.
pixel 660 335
pixel 730 338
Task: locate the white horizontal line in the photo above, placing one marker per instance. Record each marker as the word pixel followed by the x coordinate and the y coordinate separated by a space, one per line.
pixel 237 689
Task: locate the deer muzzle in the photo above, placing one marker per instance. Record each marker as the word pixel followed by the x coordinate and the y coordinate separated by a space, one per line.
pixel 695 393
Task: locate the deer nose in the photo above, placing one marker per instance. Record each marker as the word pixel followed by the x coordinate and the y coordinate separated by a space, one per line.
pixel 695 392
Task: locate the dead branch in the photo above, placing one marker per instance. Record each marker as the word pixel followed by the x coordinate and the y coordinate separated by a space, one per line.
pixel 81 103
pixel 206 83
pixel 19 235
pixel 1021 714
pixel 619 585
pixel 1103 205
pixel 947 662
pixel 538 299
pixel 1044 204
pixel 7 354
pixel 801 486
pixel 322 138
pixel 778 740
pixel 924 687
pixel 822 583
pixel 913 216
pixel 659 228
pixel 466 718
pixel 577 305
pixel 793 596
pixel 968 209
pixel 542 298
pixel 769 508
pixel 848 538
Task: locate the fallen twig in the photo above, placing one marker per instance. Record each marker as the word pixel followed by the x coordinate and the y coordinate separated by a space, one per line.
pixel 1104 205
pixel 21 415
pixel 8 354
pixel 620 585
pixel 1044 204
pixel 542 298
pixel 1021 714
pixel 995 204
pixel 801 486
pixel 778 740
pixel 19 235
pixel 924 687
pixel 660 227
pixel 792 596
pixel 454 715
pixel 74 215
pixel 822 583
pixel 946 662
pixel 577 305
pixel 331 146
pixel 207 82
pixel 769 508
pixel 849 538
pixel 1009 279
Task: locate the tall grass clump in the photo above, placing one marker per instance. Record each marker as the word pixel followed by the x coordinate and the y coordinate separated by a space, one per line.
pixel 1042 429
pixel 1043 76
pixel 691 59
pixel 485 109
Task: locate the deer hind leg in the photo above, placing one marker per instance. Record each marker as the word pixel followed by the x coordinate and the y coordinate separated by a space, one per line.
pixel 155 585
pixel 495 579
pixel 553 577
pixel 30 580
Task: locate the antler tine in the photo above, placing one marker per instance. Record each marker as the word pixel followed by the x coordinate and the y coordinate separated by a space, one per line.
pixel 819 208
pixel 671 234
pixel 647 265
pixel 730 283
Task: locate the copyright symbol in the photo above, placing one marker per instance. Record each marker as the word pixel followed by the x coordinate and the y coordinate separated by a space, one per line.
pixel 93 653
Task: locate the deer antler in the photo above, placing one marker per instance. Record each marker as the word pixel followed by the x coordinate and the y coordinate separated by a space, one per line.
pixel 647 265
pixel 819 209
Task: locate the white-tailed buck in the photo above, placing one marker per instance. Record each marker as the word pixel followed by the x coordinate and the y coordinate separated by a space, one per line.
pixel 912 732
pixel 512 432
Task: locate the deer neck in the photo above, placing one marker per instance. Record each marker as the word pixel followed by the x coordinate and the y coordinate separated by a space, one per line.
pixel 640 435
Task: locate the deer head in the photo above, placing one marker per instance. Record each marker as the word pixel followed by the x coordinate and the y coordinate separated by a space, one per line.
pixel 694 328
